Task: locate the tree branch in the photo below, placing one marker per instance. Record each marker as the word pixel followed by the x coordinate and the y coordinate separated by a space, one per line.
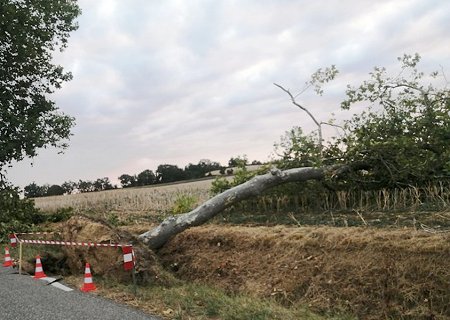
pixel 173 225
pixel 319 127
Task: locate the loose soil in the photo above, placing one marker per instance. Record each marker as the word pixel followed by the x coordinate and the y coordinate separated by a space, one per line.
pixel 370 273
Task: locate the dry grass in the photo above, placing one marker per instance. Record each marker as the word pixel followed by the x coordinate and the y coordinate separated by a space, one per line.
pixel 370 273
pixel 144 200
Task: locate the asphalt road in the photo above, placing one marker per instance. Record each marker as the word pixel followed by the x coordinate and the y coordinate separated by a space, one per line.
pixel 23 298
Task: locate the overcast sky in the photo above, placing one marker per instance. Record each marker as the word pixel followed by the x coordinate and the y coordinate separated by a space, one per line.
pixel 178 81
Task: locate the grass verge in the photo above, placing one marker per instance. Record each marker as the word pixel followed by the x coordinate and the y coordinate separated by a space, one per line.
pixel 198 302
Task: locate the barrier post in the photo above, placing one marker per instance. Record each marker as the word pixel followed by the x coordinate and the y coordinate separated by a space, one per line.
pixel 133 272
pixel 20 257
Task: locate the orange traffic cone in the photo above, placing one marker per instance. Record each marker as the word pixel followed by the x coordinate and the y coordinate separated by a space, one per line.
pixel 8 261
pixel 39 272
pixel 88 283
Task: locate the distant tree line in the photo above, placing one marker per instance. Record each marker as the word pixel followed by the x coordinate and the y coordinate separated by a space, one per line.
pixel 165 173
pixel 34 191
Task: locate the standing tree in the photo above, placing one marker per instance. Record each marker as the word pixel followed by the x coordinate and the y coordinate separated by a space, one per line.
pixel 33 191
pixel 127 180
pixel 169 173
pixel 30 31
pixel 69 187
pixel 55 190
pixel 146 177
pixel 102 184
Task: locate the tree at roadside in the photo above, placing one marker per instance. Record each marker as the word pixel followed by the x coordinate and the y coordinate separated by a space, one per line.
pixel 30 32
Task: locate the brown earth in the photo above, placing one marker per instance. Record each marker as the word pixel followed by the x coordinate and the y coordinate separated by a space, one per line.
pixel 104 261
pixel 371 273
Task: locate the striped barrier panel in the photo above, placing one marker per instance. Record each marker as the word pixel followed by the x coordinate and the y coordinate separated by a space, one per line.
pixel 129 259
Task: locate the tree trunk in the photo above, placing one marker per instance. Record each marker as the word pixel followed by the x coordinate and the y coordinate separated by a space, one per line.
pixel 173 225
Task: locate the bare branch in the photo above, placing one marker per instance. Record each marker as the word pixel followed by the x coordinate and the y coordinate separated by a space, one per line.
pixel 319 127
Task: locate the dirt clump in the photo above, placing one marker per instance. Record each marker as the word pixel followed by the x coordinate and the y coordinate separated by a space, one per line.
pixel 370 273
pixel 104 261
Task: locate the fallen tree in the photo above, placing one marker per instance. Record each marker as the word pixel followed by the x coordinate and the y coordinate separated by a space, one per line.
pixel 401 139
pixel 173 225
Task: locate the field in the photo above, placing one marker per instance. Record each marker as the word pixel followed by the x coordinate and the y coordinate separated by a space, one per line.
pixel 277 265
pixel 140 201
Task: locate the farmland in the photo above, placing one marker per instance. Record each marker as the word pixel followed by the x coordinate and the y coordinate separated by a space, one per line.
pixel 136 201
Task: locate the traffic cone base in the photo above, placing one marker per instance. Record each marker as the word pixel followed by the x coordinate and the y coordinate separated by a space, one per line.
pixel 8 262
pixel 88 282
pixel 38 271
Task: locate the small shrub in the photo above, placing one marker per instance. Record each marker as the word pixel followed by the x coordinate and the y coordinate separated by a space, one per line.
pixel 184 203
pixel 113 219
pixel 61 214
pixel 219 185
pixel 17 215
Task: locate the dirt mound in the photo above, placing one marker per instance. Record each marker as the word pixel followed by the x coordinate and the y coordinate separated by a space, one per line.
pixel 370 273
pixel 106 261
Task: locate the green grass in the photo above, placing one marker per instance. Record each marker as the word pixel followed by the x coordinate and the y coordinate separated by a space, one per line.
pixel 199 302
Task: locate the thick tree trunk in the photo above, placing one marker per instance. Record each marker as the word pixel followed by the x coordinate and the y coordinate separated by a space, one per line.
pixel 171 226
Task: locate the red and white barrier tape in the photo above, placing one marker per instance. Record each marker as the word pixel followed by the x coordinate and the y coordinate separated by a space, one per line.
pixel 37 233
pixel 129 259
pixel 70 243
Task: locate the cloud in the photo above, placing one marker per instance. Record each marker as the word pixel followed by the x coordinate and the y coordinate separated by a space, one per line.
pixel 175 82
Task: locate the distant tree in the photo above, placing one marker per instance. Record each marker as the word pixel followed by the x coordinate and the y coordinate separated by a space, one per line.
pixel 256 162
pixel 238 161
pixel 146 177
pixel 127 181
pixel 195 171
pixel 85 186
pixel 102 184
pixel 69 187
pixel 33 191
pixel 169 173
pixel 30 32
pixel 55 190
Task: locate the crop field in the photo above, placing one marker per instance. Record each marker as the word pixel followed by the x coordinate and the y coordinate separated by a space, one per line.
pixel 144 200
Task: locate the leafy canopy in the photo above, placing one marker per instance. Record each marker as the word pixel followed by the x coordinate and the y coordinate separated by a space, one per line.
pixel 30 32
pixel 403 136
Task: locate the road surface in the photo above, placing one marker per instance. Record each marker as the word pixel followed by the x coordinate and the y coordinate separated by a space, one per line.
pixel 25 298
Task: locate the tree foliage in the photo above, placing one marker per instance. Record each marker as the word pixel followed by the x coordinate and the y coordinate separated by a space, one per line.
pixel 30 31
pixel 169 173
pixel 16 214
pixel 145 178
pixel 403 137
pixel 196 171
